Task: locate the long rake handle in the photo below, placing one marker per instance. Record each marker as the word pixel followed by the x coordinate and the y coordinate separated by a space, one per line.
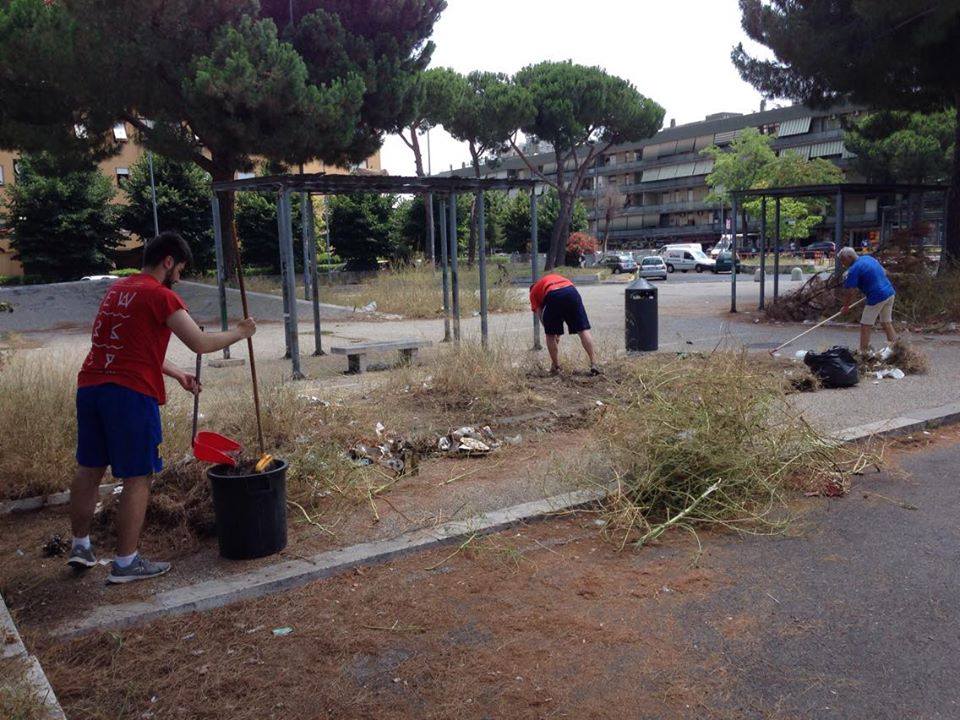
pixel 196 396
pixel 253 363
pixel 810 330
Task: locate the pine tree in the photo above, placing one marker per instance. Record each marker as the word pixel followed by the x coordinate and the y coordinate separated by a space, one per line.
pixel 62 223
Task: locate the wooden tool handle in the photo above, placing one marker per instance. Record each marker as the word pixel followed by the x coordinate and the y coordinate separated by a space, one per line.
pixel 253 363
pixel 196 395
pixel 810 330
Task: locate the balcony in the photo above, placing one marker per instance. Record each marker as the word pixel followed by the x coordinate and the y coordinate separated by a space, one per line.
pixel 657 233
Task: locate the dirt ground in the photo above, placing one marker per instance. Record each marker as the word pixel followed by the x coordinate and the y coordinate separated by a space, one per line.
pixel 40 589
pixel 542 621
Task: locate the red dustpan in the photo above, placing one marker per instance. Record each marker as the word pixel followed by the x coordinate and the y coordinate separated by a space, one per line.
pixel 211 446
pixel 215 448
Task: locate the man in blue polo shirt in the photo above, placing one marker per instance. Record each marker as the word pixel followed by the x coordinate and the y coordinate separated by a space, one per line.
pixel 867 275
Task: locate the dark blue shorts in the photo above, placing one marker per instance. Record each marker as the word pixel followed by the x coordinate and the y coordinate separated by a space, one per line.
pixel 564 306
pixel 118 427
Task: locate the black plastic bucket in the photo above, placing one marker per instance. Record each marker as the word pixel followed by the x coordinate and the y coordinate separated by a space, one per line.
pixel 251 511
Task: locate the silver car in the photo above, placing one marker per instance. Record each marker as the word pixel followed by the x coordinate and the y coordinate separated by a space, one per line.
pixel 652 268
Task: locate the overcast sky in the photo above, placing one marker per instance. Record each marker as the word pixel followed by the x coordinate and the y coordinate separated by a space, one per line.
pixel 676 52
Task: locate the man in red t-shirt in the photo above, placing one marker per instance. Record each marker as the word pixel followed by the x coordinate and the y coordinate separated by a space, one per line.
pixel 119 392
pixel 556 301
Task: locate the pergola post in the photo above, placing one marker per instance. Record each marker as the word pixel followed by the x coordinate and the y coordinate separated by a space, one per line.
pixel 284 269
pixel 310 238
pixel 431 233
pixel 221 270
pixel 838 233
pixel 445 270
pixel 305 237
pixel 733 254
pixel 285 221
pixel 533 261
pixel 482 247
pixel 454 271
pixel 776 250
pixel 763 250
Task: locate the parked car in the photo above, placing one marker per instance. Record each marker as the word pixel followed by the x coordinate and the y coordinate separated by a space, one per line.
pixel 684 260
pixel 653 268
pixel 725 261
pixel 825 246
pixel 621 263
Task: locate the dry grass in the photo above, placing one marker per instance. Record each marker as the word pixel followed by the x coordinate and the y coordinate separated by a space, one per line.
pixel 679 428
pixel 38 421
pixel 466 377
pixel 417 292
pixel 908 358
pixel 414 292
pixel 18 700
pixel 930 301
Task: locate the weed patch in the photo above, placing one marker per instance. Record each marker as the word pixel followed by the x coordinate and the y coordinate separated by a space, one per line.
pixel 710 441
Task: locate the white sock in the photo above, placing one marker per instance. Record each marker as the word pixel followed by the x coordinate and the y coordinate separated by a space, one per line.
pixel 83 542
pixel 123 561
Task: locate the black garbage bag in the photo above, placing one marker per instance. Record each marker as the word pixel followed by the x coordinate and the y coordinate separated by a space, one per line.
pixel 835 368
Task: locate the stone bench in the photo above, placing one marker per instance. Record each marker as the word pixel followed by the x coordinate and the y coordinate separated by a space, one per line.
pixel 356 354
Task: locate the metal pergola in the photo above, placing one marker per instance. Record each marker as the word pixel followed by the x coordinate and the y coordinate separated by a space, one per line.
pixel 838 191
pixel 331 184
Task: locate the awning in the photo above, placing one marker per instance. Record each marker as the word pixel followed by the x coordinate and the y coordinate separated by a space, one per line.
pixel 797 126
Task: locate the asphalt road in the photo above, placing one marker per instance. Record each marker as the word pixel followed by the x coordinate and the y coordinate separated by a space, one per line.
pixel 855 619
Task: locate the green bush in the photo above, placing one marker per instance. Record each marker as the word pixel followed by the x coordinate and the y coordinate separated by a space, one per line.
pixel 125 272
pixel 8 280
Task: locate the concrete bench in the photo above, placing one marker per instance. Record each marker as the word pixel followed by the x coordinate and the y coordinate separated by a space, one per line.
pixel 356 354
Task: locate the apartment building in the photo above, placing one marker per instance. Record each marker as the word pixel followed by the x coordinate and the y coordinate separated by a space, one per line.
pixel 118 169
pixel 662 180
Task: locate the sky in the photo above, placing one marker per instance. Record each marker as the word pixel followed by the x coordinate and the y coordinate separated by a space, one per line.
pixel 676 52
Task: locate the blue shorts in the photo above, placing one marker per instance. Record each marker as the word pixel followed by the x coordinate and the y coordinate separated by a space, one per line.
pixel 118 427
pixel 564 306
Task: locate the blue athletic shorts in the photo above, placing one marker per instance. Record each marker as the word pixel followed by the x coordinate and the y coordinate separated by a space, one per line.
pixel 118 427
pixel 564 306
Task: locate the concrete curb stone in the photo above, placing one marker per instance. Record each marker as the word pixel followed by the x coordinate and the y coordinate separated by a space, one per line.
pixel 13 648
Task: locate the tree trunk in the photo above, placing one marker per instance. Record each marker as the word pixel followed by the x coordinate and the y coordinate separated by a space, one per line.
pixel 428 208
pixel 472 243
pixel 951 225
pixel 228 222
pixel 606 230
pixel 558 235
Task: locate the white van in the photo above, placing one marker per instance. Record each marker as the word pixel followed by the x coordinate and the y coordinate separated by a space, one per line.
pixel 693 247
pixel 683 260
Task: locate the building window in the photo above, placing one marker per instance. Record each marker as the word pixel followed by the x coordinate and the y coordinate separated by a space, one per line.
pixel 123 176
pixel 16 169
pixel 80 131
pixel 1 174
pixel 120 132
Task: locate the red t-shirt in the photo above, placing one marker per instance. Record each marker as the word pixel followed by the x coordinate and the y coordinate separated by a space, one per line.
pixel 130 336
pixel 544 285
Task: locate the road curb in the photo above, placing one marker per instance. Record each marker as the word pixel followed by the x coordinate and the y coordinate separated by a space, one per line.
pixel 912 421
pixel 38 502
pixel 296 573
pixel 292 574
pixel 14 649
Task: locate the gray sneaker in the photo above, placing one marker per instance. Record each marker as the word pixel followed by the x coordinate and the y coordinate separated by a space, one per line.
pixel 139 569
pixel 81 558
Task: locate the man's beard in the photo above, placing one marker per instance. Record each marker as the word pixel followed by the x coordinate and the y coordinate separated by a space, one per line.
pixel 168 280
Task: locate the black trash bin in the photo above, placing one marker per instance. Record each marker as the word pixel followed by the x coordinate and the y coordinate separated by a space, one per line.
pixel 251 511
pixel 640 313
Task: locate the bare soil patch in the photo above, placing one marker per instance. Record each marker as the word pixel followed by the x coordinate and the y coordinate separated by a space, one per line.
pixel 427 637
